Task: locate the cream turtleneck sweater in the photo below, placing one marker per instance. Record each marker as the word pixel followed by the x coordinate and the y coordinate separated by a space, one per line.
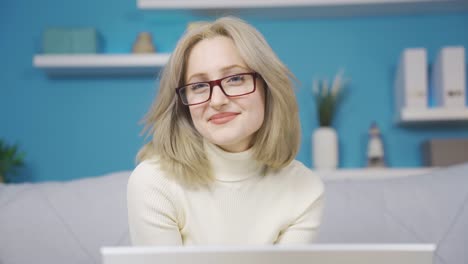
pixel 241 207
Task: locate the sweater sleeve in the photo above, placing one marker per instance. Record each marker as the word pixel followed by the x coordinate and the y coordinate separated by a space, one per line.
pixel 152 212
pixel 305 226
pixel 305 229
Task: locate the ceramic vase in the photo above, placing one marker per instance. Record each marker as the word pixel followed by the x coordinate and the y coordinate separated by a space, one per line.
pixel 143 43
pixel 325 148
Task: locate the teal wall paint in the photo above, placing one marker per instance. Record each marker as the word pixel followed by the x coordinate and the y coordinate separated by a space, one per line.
pixel 79 127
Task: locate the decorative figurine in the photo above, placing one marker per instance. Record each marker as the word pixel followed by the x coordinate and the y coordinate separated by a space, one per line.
pixel 143 43
pixel 375 150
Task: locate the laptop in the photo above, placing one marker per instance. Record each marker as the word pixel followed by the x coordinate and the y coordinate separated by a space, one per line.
pixel 273 254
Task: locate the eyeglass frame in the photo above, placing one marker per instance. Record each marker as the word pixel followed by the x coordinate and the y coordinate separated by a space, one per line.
pixel 217 82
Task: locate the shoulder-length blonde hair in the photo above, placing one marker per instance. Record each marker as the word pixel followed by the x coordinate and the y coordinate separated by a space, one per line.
pixel 176 142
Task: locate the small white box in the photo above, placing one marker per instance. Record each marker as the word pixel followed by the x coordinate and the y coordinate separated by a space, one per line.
pixel 449 78
pixel 411 83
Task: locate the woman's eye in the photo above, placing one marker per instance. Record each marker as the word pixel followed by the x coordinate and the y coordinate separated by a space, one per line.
pixel 198 86
pixel 236 79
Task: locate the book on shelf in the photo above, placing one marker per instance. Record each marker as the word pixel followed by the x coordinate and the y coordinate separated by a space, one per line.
pixel 411 83
pixel 449 78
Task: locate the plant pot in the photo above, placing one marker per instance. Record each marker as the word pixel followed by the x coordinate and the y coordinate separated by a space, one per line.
pixel 325 148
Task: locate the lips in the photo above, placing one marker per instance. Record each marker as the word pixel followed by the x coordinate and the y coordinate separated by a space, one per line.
pixel 222 118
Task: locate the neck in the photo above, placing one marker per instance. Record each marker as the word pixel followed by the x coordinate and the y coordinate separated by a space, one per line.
pixel 232 166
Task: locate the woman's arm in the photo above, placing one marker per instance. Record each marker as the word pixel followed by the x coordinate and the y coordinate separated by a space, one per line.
pixel 305 228
pixel 152 214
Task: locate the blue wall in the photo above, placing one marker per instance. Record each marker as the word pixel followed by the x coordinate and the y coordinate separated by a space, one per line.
pixel 80 127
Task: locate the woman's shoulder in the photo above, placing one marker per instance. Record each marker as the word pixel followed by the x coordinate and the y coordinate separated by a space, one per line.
pixel 298 169
pixel 299 176
pixel 148 169
pixel 149 175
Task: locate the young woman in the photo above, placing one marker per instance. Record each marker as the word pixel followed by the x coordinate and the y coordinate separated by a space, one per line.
pixel 220 167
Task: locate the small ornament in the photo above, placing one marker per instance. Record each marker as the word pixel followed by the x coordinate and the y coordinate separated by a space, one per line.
pixel 375 150
pixel 143 43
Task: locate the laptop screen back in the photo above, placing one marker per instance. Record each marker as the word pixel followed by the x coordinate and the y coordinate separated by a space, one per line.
pixel 304 254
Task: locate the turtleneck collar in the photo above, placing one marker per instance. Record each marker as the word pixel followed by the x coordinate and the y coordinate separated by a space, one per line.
pixel 229 166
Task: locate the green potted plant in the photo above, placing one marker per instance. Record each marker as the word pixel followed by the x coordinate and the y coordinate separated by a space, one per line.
pixel 325 139
pixel 10 160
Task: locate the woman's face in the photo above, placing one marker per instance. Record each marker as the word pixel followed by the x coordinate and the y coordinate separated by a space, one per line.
pixel 229 122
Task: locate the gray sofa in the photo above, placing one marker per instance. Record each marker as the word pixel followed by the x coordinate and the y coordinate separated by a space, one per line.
pixel 67 222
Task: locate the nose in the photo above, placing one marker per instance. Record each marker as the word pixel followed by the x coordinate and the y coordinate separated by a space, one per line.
pixel 218 98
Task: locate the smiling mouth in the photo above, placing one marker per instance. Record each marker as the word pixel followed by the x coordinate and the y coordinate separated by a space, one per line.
pixel 222 118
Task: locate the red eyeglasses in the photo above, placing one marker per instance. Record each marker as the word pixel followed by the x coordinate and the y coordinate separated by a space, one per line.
pixel 232 86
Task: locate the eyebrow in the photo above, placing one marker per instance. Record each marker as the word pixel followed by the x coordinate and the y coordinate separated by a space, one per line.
pixel 223 70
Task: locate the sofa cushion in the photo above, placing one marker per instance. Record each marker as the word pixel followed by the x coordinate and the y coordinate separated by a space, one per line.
pixel 63 222
pixel 424 208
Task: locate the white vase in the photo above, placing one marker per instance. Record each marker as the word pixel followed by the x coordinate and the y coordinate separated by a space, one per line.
pixel 325 148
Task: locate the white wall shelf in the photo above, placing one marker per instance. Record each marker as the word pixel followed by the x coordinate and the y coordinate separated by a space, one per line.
pixel 314 8
pixel 432 115
pixel 372 173
pixel 100 64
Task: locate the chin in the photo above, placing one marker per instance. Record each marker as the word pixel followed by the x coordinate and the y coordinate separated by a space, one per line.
pixel 224 142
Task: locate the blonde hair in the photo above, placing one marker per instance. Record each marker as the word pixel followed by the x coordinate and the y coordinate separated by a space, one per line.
pixel 176 142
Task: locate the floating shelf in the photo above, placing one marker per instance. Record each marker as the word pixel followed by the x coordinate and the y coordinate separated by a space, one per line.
pixel 101 64
pixel 372 173
pixel 432 115
pixel 314 8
